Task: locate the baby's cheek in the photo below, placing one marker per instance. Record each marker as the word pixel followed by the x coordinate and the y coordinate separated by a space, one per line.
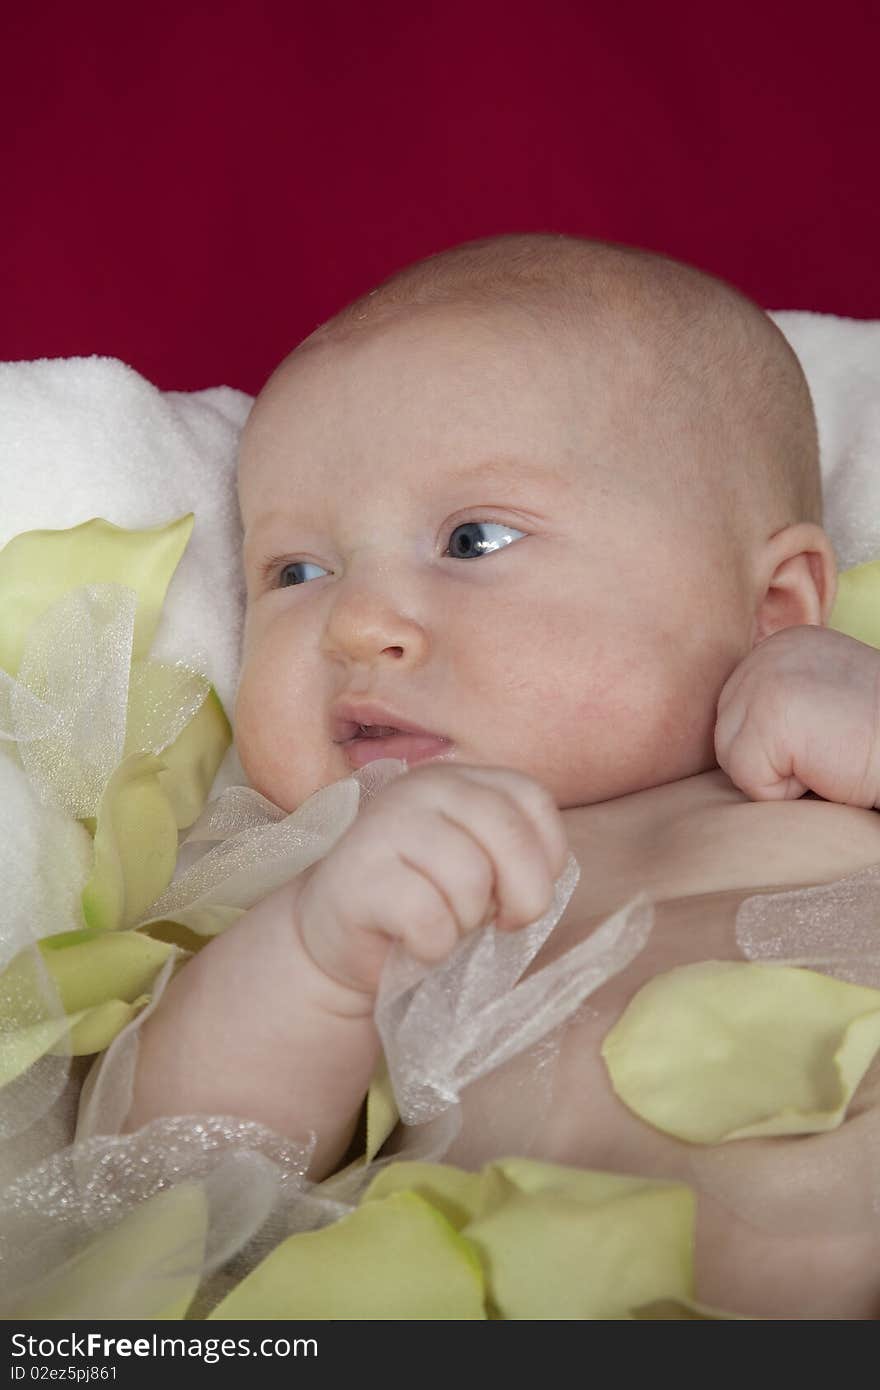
pixel 249 730
pixel 262 722
pixel 276 729
pixel 660 723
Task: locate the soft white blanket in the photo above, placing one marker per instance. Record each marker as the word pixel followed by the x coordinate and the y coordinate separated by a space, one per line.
pixel 87 436
pixel 841 360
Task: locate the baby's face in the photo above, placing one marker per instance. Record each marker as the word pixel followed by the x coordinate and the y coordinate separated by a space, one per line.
pixel 452 508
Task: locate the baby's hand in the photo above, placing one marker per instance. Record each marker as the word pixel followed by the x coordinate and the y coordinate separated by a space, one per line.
pixel 802 712
pixel 440 851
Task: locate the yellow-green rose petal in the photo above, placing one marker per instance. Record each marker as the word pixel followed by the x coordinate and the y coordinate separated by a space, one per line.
pixel 94 1029
pixel 396 1258
pixel 135 845
pixel 146 1267
pixel 192 760
pixel 67 1035
pixel 121 965
pixel 856 609
pixel 457 1194
pixel 730 1050
pixel 382 1114
pixel 80 994
pixel 570 1244
pixel 21 1047
pixel 38 567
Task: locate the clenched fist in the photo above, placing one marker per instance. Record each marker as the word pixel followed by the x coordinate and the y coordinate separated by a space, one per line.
pixel 802 712
pixel 440 851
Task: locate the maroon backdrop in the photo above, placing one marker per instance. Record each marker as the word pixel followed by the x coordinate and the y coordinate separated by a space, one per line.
pixel 192 188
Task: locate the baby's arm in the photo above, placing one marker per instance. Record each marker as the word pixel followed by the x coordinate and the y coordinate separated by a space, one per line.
pixel 273 1020
pixel 802 712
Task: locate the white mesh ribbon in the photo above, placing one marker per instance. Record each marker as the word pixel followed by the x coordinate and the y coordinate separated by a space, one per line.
pixel 80 704
pixel 253 848
pixel 832 927
pixel 444 1027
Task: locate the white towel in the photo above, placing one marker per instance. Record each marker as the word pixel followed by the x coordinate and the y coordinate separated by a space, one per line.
pixel 87 436
pixel 841 361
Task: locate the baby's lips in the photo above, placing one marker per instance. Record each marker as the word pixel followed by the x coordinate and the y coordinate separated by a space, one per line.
pixel 350 715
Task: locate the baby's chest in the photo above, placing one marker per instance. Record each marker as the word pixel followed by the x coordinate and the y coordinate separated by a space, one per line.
pixel 770 1210
pixel 556 1101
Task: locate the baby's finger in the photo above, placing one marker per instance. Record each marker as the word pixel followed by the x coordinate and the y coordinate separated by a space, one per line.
pixel 455 862
pixel 517 850
pixel 418 913
pixel 536 803
pixel 756 764
pixel 728 725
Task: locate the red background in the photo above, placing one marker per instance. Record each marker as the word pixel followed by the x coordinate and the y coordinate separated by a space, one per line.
pixel 193 187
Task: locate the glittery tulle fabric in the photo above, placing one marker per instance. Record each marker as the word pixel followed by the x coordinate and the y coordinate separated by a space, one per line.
pixel 444 1028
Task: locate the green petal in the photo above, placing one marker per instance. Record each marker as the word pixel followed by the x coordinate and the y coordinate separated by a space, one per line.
pixel 135 845
pixel 192 760
pixel 564 1243
pixel 396 1258
pixel 728 1050
pixel 456 1194
pixel 94 1029
pixel 560 1242
pixel 148 1266
pixel 38 567
pixel 856 609
pixel 198 921
pixel 121 965
pixel 73 998
pixel 22 1046
pixel 67 1035
pixel 77 971
pixel 382 1113
pixel 74 995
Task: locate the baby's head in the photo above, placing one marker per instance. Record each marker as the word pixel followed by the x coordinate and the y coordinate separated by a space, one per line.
pixel 536 495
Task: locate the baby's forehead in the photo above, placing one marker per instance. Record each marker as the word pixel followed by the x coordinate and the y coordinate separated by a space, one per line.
pixel 548 366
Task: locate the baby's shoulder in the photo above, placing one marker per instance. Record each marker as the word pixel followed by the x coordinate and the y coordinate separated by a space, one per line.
pixel 738 843
pixel 703 835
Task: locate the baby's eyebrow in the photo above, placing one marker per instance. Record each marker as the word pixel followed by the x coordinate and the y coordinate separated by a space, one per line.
pixel 256 527
pixel 504 467
pixel 496 468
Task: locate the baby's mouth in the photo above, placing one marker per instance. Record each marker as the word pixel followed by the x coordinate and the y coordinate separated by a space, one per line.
pixel 369 742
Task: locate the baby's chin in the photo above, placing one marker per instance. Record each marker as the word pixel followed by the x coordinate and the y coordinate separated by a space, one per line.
pixel 288 788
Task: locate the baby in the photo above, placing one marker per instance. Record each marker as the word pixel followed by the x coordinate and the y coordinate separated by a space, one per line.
pixel 555 510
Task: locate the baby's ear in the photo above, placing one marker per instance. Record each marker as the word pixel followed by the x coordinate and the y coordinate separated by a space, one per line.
pixel 798 580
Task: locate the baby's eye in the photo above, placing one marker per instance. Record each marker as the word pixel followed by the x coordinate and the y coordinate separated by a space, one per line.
pixel 468 541
pixel 284 583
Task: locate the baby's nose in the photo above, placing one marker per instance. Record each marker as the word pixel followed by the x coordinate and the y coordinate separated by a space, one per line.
pixel 365 627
